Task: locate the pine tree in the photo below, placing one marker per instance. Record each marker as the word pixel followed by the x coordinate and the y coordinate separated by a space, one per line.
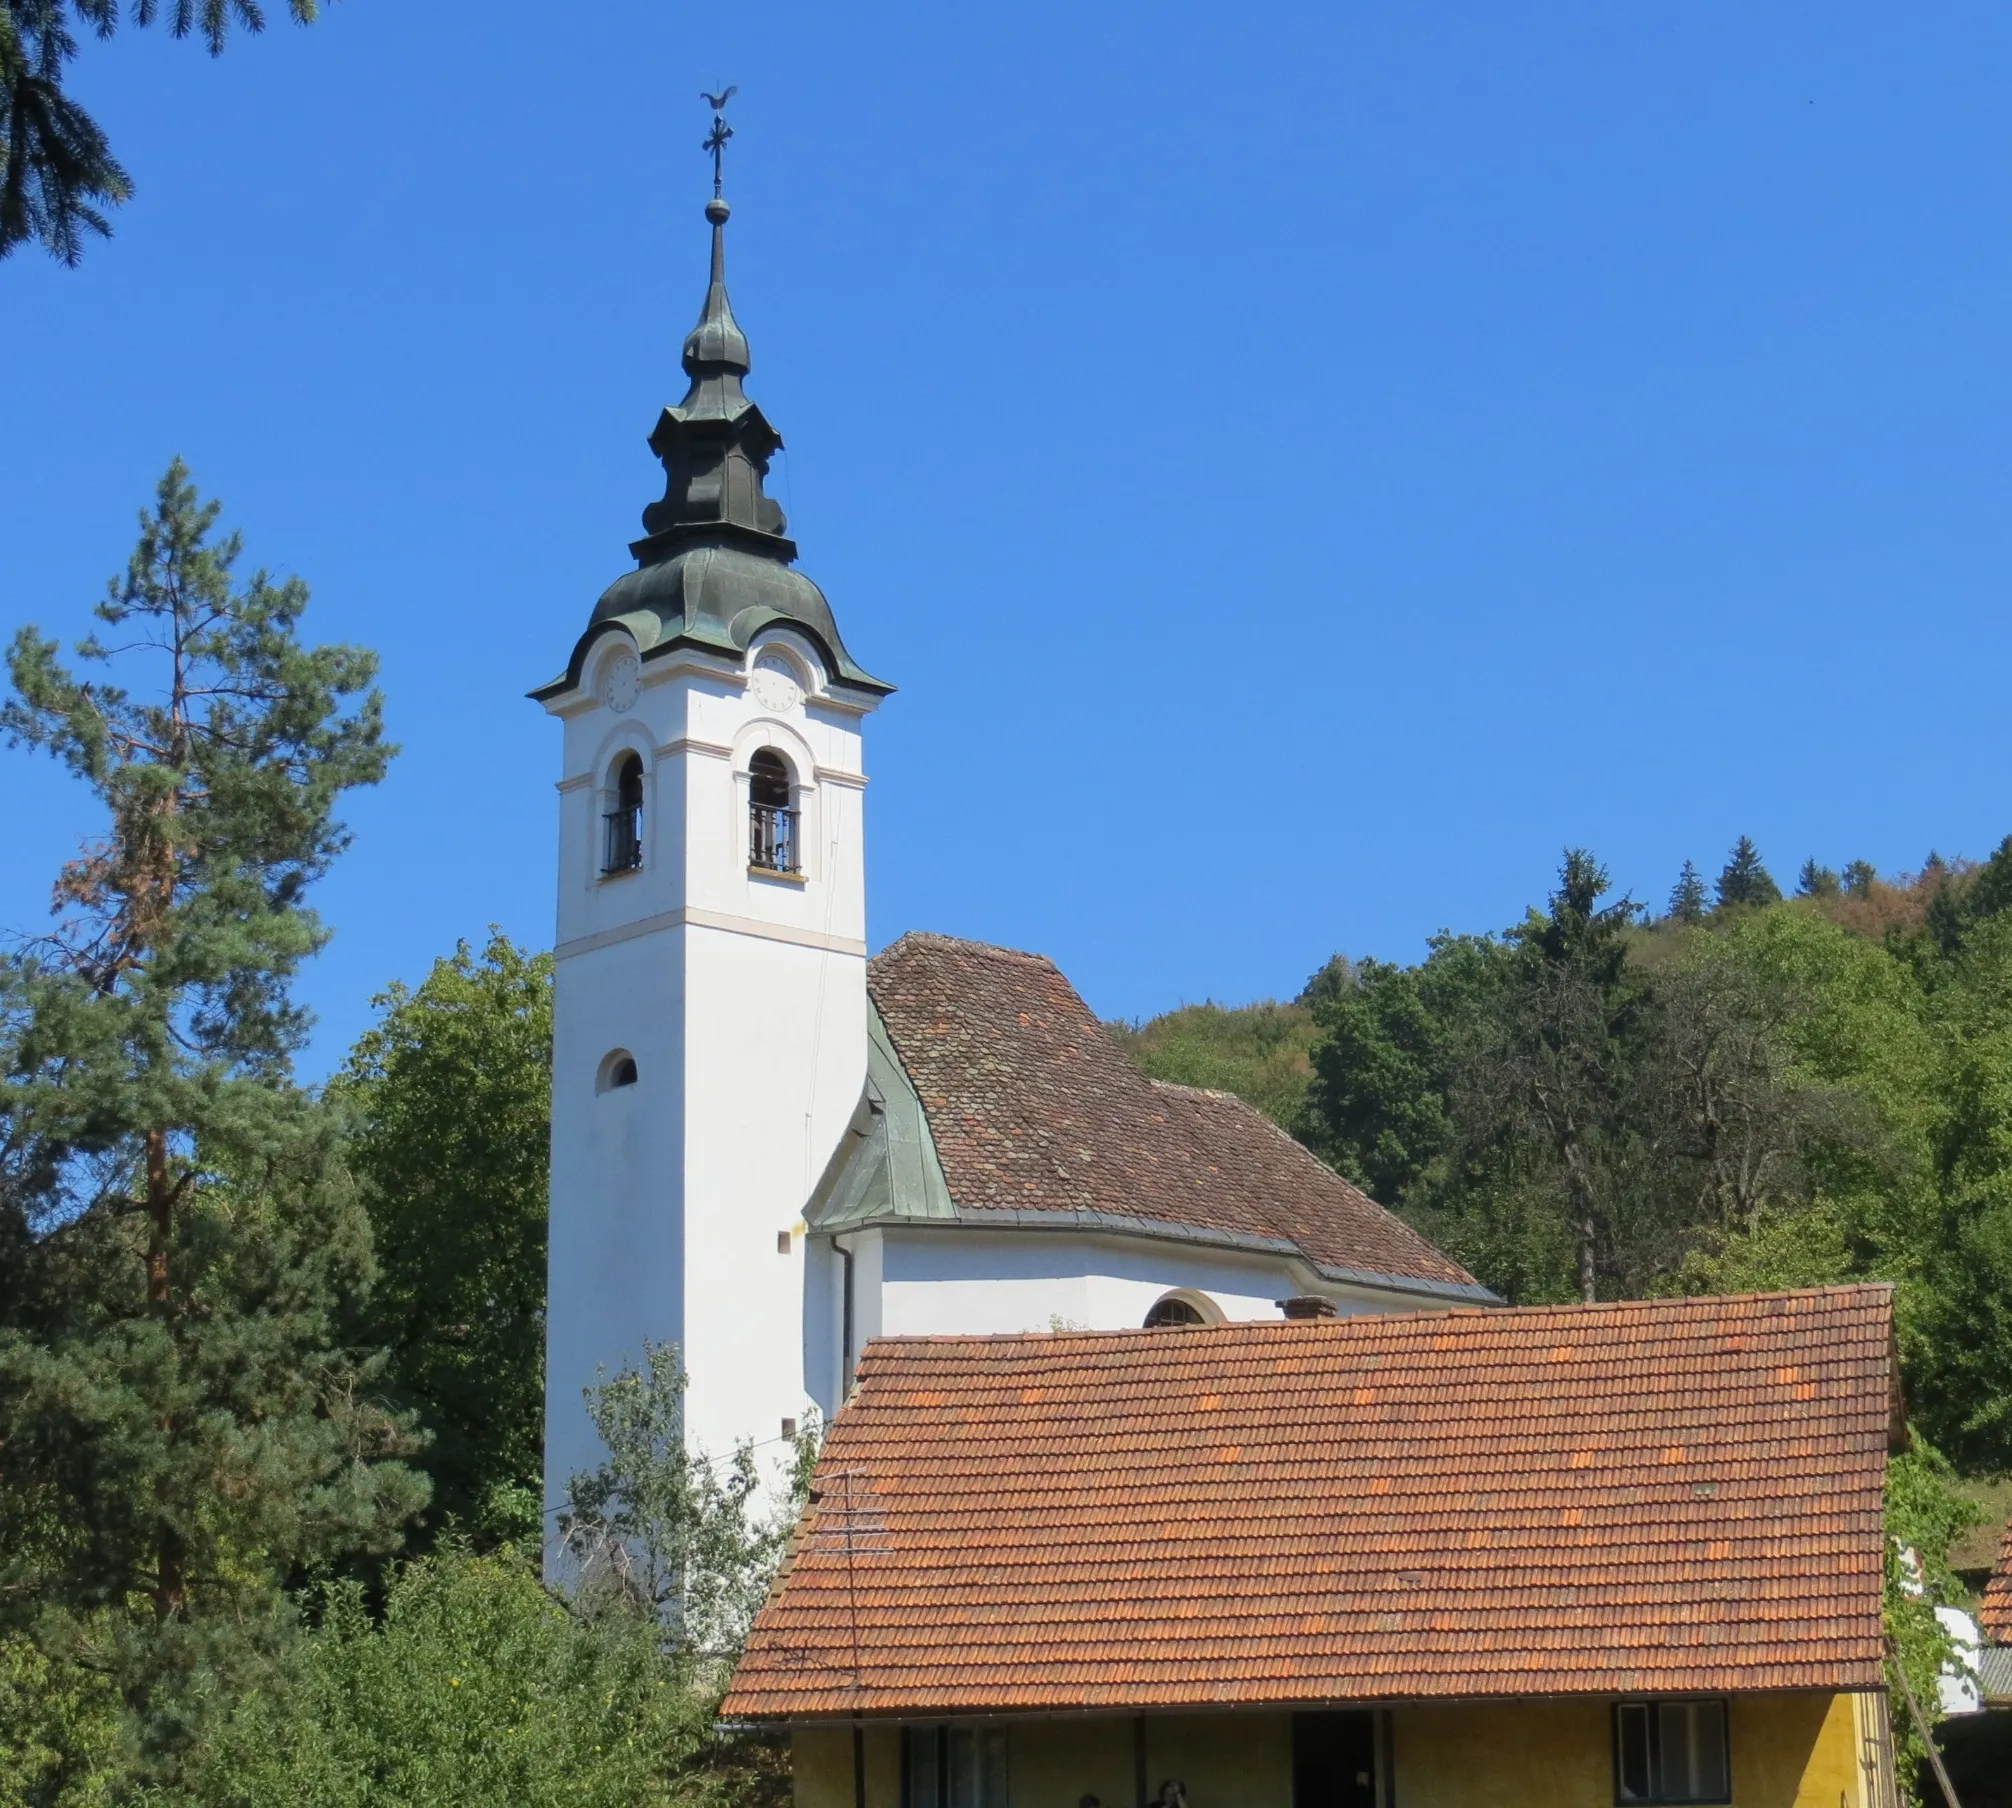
pixel 1687 897
pixel 1816 881
pixel 1745 880
pixel 183 1430
pixel 1548 1086
pixel 1859 878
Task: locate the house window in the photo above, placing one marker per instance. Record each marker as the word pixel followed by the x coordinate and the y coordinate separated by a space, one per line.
pixel 1174 1310
pixel 772 838
pixel 1671 1751
pixel 622 846
pixel 954 1767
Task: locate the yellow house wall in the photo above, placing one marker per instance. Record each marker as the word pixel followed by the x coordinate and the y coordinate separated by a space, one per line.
pixel 1789 1751
pixel 821 1766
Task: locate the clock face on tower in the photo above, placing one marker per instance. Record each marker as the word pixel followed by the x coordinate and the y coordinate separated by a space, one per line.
pixel 620 682
pixel 775 686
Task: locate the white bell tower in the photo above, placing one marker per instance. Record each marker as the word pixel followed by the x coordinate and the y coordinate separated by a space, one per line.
pixel 711 1016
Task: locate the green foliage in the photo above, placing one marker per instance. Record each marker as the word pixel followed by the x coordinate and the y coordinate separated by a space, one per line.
pixel 448 1101
pixel 184 1430
pixel 666 1527
pixel 1925 1512
pixel 1390 1042
pixel 476 1686
pixel 1775 1094
pixel 59 1730
pixel 1744 879
pixel 1687 898
pixel 1259 1052
pixel 1816 881
pixel 57 171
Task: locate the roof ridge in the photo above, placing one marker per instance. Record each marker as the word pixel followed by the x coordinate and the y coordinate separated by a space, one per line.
pixel 1328 1327
pixel 933 938
pixel 1199 1092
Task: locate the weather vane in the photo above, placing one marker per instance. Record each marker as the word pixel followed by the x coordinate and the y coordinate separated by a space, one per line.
pixel 716 139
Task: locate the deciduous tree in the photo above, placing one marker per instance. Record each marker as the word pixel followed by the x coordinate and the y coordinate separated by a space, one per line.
pixel 448 1103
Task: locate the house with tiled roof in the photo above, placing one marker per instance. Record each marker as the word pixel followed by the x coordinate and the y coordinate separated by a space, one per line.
pixel 1510 1559
pixel 767 1150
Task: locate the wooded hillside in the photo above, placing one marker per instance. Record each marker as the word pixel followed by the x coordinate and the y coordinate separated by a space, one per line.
pixel 1741 1090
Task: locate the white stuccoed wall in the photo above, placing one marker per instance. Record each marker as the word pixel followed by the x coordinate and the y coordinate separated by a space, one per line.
pixel 915 1281
pixel 743 1001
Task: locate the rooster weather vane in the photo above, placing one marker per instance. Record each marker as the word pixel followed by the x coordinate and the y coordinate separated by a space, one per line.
pixel 716 139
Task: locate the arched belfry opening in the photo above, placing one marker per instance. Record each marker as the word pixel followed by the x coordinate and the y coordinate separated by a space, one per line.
pixel 773 841
pixel 622 822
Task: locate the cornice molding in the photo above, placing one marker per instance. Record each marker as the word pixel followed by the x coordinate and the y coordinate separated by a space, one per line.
pixel 692 917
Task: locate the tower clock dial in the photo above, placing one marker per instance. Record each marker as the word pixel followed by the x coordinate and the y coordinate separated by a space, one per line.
pixel 775 686
pixel 620 683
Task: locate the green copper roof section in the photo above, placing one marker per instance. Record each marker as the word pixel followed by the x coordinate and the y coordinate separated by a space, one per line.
pixel 885 1167
pixel 715 566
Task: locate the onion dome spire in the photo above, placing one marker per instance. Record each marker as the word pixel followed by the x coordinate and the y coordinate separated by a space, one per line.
pixel 716 444
pixel 714 567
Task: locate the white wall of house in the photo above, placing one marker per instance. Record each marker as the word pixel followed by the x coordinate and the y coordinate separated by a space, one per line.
pixel 957 1280
pixel 742 1000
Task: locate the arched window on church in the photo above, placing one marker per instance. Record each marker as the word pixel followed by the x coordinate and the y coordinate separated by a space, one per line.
pixel 1175 1309
pixel 618 1068
pixel 622 849
pixel 772 836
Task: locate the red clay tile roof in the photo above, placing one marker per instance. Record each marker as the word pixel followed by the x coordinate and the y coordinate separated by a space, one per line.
pixel 1036 1112
pixel 1659 1496
pixel 1994 1615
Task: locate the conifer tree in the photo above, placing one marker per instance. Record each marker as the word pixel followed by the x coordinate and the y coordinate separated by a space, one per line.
pixel 182 1430
pixel 1816 881
pixel 57 171
pixel 1745 880
pixel 1549 1092
pixel 1687 897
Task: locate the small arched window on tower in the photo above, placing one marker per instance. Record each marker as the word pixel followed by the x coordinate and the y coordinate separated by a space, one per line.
pixel 622 848
pixel 772 836
pixel 618 1068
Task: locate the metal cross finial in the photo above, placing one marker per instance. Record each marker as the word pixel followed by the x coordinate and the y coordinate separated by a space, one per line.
pixel 716 139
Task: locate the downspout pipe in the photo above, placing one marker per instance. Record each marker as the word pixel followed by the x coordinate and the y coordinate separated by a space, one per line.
pixel 847 1354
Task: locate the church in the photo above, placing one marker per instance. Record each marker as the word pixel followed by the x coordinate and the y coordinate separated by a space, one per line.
pixel 769 1148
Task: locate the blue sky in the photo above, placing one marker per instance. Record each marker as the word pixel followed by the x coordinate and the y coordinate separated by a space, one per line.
pixel 1303 465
